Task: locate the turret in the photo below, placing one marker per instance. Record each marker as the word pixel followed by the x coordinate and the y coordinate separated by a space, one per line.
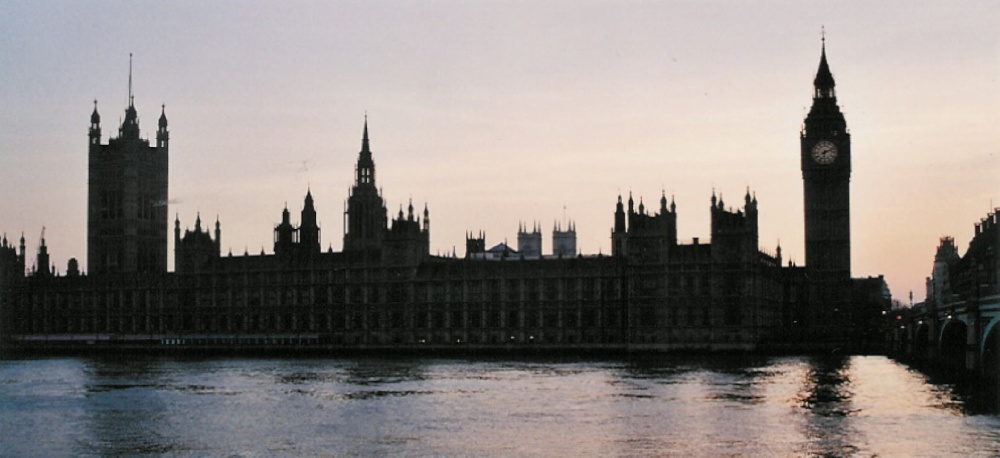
pixel 43 269
pixel 283 234
pixel 218 235
pixel 619 215
pixel 619 233
pixel 427 219
pixel 309 235
pixel 95 128
pixel 23 254
pixel 162 136
pixel 177 230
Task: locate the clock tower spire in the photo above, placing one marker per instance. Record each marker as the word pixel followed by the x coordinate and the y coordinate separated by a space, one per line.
pixel 826 175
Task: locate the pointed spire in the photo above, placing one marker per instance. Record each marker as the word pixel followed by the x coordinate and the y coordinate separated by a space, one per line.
pixel 163 116
pixel 824 79
pixel 365 169
pixel 364 137
pixel 309 200
pixel 130 126
pixel 130 96
pixel 95 118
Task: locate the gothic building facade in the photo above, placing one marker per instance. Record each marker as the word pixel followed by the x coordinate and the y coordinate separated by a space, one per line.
pixel 386 291
pixel 127 198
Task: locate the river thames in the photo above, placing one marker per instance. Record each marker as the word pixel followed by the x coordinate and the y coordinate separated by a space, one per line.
pixel 690 406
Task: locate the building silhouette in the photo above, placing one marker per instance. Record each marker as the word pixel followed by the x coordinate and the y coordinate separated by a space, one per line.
pixel 386 291
pixel 127 197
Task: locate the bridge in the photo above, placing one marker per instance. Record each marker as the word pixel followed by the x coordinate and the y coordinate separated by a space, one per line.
pixel 958 324
pixel 958 335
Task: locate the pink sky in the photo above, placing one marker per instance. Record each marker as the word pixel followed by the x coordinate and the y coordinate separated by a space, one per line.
pixel 500 112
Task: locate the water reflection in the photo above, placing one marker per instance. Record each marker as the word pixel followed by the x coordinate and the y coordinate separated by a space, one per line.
pixel 699 406
pixel 123 409
pixel 375 372
pixel 827 398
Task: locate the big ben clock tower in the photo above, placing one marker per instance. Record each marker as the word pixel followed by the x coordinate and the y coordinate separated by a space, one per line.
pixel 826 176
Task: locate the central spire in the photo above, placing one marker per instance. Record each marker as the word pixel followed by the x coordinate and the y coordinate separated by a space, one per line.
pixel 364 138
pixel 130 125
pixel 824 79
pixel 366 166
pixel 130 96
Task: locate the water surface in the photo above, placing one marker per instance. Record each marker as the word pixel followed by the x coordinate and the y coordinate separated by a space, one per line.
pixel 697 406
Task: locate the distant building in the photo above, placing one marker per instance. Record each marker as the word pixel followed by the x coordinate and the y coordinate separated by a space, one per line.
pixel 529 244
pixel 975 274
pixel 386 291
pixel 564 242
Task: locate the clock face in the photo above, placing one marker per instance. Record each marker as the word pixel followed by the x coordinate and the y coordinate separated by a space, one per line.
pixel 824 152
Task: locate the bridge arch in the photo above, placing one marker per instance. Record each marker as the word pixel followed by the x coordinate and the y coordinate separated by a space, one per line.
pixel 991 348
pixel 954 339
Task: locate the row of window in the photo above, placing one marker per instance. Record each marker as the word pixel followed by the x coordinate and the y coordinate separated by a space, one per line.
pixel 326 322
pixel 646 317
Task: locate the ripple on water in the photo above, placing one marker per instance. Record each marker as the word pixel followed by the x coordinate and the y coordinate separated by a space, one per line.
pixel 668 406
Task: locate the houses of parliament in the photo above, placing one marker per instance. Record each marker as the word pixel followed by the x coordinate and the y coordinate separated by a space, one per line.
pixel 386 292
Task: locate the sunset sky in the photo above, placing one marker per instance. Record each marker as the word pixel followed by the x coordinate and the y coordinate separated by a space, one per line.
pixel 498 112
